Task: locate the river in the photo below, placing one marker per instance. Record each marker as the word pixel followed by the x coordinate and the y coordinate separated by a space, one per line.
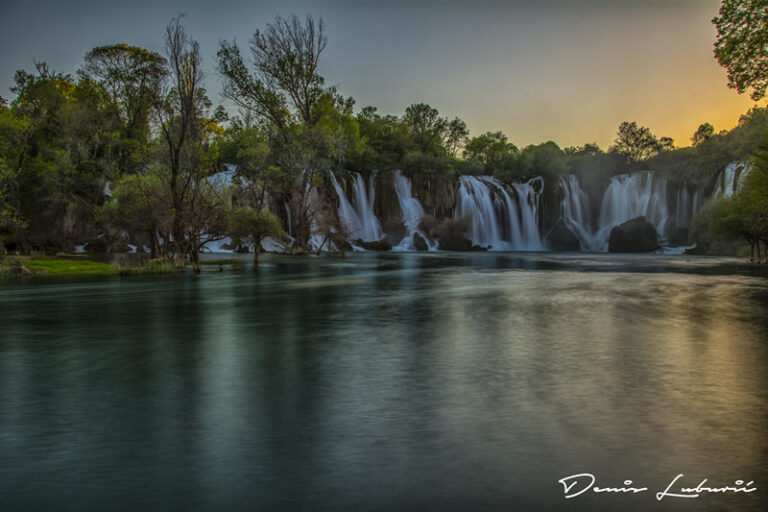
pixel 387 382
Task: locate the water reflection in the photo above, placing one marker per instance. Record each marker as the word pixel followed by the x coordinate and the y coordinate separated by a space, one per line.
pixel 394 382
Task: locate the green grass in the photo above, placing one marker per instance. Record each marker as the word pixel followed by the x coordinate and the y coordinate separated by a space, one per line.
pixel 19 267
pixel 56 267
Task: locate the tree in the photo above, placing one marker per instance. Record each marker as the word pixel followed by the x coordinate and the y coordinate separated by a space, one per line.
pixel 132 77
pixel 588 149
pixel 426 126
pixel 56 140
pixel 285 58
pixel 310 127
pixel 456 135
pixel 246 223
pixel 635 143
pixel 492 149
pixel 702 134
pixel 179 108
pixel 741 46
pixel 666 144
pixel 139 205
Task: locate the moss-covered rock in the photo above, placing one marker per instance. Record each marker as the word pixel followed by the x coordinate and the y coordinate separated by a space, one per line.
pixel 636 235
pixel 419 243
pixel 451 237
pixel 382 245
pixel 560 238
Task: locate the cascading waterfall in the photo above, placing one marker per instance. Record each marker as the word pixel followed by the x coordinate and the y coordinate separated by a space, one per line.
pixel 412 212
pixel 730 178
pixel 497 219
pixel 628 196
pixel 357 215
pixel 529 197
pixel 683 207
pixel 574 211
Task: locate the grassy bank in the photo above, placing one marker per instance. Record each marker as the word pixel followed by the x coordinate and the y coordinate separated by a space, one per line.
pixel 26 266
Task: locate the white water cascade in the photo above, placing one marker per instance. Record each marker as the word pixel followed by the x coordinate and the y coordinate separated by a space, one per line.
pixel 501 219
pixel 628 196
pixel 412 212
pixel 730 178
pixel 357 215
pixel 574 210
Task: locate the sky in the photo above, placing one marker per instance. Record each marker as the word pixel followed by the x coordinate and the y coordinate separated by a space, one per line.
pixel 538 70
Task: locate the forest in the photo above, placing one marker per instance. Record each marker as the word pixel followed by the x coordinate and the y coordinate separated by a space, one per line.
pixel 129 147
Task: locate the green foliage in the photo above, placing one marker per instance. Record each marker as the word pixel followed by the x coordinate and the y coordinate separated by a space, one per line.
pixel 247 224
pixel 742 37
pixel 61 267
pixel 426 128
pixel 456 135
pixel 493 151
pixel 702 134
pixel 635 142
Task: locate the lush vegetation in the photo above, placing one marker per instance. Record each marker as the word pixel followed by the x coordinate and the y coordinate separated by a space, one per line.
pixel 130 146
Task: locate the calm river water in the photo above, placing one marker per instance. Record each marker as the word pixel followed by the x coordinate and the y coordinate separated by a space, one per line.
pixel 389 382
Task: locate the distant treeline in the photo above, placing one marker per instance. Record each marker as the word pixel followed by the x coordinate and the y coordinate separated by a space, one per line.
pixel 130 141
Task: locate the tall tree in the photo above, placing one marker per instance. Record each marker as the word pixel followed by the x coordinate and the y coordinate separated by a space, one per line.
pixel 179 108
pixel 310 127
pixel 456 135
pixel 285 59
pixel 426 126
pixel 131 75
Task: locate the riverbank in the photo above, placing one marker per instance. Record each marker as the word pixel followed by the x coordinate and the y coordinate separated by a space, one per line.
pixel 26 266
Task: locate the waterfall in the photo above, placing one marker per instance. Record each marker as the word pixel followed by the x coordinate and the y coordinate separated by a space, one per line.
pixel 357 215
pixel 499 219
pixel 730 178
pixel 683 208
pixel 627 196
pixel 412 212
pixel 574 210
pixel 528 201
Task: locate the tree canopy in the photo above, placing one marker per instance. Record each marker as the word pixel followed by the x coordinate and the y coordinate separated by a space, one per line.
pixel 741 46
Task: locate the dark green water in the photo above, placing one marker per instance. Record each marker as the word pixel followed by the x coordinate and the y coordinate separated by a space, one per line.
pixel 391 382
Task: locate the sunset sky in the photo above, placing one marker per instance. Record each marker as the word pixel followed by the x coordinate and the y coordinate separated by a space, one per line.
pixel 568 71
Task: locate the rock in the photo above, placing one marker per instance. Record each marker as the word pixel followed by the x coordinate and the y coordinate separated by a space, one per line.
pixel 636 235
pixel 478 248
pixel 419 243
pixel 560 238
pixel 451 235
pixel 395 231
pixel 382 245
pixel 678 236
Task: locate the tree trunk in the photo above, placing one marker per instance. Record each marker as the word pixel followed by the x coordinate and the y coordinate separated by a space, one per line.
pixel 195 257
